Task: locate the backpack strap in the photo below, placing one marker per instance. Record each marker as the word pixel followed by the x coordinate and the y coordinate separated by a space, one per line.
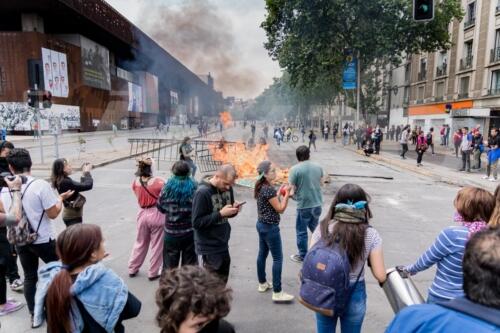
pixel 482 312
pixel 22 207
pixel 145 187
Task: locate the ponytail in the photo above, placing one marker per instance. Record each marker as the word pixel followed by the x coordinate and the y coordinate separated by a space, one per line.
pixel 258 185
pixel 58 303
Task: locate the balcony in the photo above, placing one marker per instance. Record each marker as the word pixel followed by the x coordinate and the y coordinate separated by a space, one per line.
pixel 466 63
pixel 494 92
pixel 419 101
pixel 497 10
pixel 470 23
pixel 438 98
pixel 441 70
pixel 463 95
pixel 495 55
pixel 406 101
pixel 422 75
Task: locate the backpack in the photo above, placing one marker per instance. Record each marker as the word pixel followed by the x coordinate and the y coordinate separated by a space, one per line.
pixel 22 233
pixel 429 138
pixel 324 279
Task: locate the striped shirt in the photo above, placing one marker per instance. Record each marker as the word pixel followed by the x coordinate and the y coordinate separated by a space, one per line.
pixel 447 252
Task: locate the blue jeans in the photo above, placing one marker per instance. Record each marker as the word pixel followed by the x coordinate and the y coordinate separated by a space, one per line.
pixel 352 320
pixel 270 240
pixel 306 218
pixel 192 166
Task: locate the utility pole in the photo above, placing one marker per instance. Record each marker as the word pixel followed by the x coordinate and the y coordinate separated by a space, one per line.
pixel 358 89
pixel 37 119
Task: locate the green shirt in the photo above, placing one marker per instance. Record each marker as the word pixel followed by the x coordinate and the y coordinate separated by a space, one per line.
pixel 306 177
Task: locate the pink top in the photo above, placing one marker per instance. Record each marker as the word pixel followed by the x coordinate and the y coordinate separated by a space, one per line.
pixel 144 198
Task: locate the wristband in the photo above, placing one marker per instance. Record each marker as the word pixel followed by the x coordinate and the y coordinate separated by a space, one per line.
pixel 15 190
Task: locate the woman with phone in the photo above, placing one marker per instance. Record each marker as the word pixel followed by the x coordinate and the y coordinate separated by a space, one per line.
pixel 73 206
pixel 270 204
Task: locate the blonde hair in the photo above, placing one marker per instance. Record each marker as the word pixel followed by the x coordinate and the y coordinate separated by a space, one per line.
pixel 474 203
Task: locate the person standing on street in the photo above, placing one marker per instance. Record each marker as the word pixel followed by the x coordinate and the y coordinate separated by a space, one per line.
pixel 41 206
pixel 176 202
pixel 465 149
pixel 359 137
pixel 478 148
pixel 441 134
pixel 398 133
pixel 150 221
pixel 379 136
pixel 405 135
pixel 270 204
pixel 447 135
pixel 335 132
pixel 213 206
pixel 312 139
pixel 420 148
pixel 306 177
pixel 493 155
pixel 430 139
pixel 73 206
pixel 345 135
pixel 186 153
pixel 303 132
pixel 457 141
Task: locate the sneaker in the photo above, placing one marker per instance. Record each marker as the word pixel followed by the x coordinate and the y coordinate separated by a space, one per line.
pixel 10 306
pixel 491 179
pixel 17 285
pixel 486 177
pixel 282 297
pixel 297 258
pixel 263 287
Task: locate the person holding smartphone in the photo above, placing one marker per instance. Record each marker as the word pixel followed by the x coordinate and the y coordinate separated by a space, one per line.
pixel 270 204
pixel 73 206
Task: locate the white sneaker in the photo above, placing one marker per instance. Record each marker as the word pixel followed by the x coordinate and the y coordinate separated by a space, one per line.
pixel 491 179
pixel 282 297
pixel 486 177
pixel 263 287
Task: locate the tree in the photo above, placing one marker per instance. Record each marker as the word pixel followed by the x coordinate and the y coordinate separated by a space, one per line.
pixel 309 37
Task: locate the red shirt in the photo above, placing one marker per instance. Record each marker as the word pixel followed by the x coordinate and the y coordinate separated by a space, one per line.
pixel 144 198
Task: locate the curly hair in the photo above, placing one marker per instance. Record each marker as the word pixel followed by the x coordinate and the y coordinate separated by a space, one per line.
pixel 190 289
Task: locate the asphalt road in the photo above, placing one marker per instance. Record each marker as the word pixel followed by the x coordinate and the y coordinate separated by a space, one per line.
pixel 409 211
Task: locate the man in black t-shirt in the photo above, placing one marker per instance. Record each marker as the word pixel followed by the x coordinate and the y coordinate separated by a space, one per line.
pixel 213 205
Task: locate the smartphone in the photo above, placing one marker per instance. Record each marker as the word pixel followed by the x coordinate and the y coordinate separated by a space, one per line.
pixel 241 204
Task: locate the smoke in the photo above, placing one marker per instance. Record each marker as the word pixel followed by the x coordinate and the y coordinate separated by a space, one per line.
pixel 199 35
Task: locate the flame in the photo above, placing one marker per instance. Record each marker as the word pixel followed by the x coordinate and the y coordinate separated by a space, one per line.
pixel 225 119
pixel 245 160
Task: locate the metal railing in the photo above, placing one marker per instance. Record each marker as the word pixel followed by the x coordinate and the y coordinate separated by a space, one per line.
pixel 438 98
pixel 441 70
pixel 494 92
pixel 463 95
pixel 495 54
pixel 419 101
pixel 466 63
pixel 470 23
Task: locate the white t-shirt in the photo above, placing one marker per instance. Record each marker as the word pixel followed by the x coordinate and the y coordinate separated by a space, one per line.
pixel 39 197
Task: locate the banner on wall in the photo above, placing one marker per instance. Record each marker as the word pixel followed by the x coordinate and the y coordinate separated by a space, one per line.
pixel 55 72
pixel 18 117
pixel 134 98
pixel 95 64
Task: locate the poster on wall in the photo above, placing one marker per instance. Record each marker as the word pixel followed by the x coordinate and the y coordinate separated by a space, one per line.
pixel 18 117
pixel 134 98
pixel 55 72
pixel 95 64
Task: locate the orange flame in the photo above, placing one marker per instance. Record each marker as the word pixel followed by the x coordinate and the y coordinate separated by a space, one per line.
pixel 225 118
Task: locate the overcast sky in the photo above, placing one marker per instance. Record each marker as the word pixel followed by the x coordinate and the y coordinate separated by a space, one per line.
pixel 250 70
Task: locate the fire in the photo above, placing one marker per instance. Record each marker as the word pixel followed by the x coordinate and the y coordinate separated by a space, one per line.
pixel 245 160
pixel 225 119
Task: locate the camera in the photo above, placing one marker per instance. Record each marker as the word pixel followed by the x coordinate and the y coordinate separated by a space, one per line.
pixel 11 177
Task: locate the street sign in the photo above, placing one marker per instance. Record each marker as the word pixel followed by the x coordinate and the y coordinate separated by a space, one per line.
pixel 349 77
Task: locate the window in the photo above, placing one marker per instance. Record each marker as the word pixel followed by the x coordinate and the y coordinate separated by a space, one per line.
pixel 468 49
pixel 471 12
pixel 443 58
pixel 420 93
pixel 495 82
pixel 408 71
pixel 440 89
pixel 464 87
pixel 497 38
pixel 423 65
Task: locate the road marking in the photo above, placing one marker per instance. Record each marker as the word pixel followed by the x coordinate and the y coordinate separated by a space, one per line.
pixel 392 201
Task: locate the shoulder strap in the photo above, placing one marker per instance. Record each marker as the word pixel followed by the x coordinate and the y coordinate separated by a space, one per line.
pixel 463 305
pixel 22 207
pixel 145 187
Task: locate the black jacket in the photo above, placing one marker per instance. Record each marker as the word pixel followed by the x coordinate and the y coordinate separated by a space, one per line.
pixel 68 184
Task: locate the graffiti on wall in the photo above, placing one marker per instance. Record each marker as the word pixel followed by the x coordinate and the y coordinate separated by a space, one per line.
pixel 19 117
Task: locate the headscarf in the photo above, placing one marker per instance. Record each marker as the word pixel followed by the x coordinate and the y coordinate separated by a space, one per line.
pixel 351 212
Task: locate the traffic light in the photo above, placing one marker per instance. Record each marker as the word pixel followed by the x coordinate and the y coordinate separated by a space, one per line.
pixel 448 107
pixel 423 10
pixel 47 99
pixel 32 98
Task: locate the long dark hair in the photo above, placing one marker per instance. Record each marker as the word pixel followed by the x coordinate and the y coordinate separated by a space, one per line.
pixel 144 168
pixel 74 247
pixel 263 168
pixel 351 236
pixel 58 172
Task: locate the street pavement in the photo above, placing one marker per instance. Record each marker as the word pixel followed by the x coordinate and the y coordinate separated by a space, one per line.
pixel 409 211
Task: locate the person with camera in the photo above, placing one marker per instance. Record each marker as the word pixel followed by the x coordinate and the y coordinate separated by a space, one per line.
pixel 73 206
pixel 40 206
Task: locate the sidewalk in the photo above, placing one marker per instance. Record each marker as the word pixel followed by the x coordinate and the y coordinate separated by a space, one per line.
pixel 443 166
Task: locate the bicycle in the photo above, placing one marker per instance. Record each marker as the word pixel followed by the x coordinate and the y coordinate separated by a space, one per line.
pixel 293 137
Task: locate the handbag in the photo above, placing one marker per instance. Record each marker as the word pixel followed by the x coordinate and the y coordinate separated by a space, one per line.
pixel 78 202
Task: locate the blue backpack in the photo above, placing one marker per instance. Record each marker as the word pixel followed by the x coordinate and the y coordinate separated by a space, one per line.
pixel 325 279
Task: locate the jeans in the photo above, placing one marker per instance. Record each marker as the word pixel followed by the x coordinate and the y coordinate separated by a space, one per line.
pixel 359 142
pixel 192 166
pixel 218 263
pixel 404 149
pixel 465 160
pixel 29 255
pixel 352 319
pixel 178 250
pixel 345 140
pixel 420 155
pixel 306 218
pixel 312 143
pixel 477 159
pixel 491 169
pixel 457 146
pixel 270 240
pixel 432 148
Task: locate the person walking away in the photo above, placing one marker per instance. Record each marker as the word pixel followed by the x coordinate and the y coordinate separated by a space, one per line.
pixel 306 177
pixel 186 152
pixel 474 207
pixel 266 131
pixel 430 139
pixel 398 133
pixel 277 135
pixel 414 135
pixel 493 155
pixel 303 132
pixel 326 132
pixel 78 293
pixel 345 135
pixel 478 149
pixel 288 134
pixel 176 201
pixel 150 221
pixel 404 141
pixel 379 136
pixel 347 224
pixel 270 204
pixel 441 134
pixel 457 140
pixel 73 206
pixel 9 219
pixel 478 311
pixel 447 135
pixel 15 281
pixel 465 149
pixel 213 206
pixel 392 132
pixel 191 299
pixel 421 148
pixel 312 139
pixel 359 137
pixel 335 131
pixel 252 128
pixel 40 205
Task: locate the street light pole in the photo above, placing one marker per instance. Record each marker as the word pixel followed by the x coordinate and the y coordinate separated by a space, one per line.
pixel 358 92
pixel 39 127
